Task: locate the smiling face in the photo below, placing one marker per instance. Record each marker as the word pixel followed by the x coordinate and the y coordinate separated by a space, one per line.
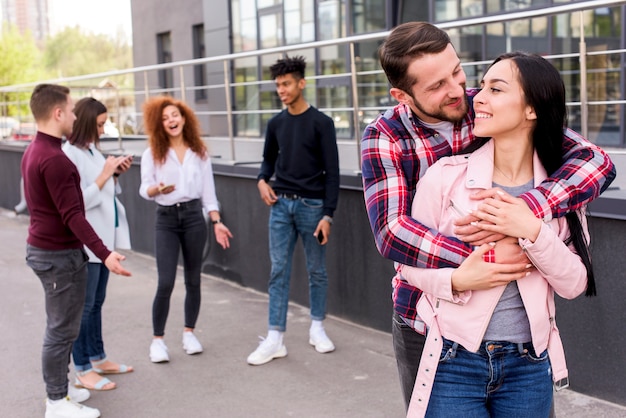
pixel 173 121
pixel 438 93
pixel 500 107
pixel 289 89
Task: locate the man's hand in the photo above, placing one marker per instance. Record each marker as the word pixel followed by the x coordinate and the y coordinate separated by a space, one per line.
pixel 323 227
pixel 466 231
pixel 508 251
pixel 476 274
pixel 113 263
pixel 267 193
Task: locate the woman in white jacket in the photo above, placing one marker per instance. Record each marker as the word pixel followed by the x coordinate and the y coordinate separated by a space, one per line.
pixel 493 348
pixel 105 213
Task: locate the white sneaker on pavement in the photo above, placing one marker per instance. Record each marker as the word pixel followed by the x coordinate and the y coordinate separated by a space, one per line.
pixel 267 351
pixel 191 345
pixel 66 408
pixel 321 342
pixel 76 394
pixel 158 351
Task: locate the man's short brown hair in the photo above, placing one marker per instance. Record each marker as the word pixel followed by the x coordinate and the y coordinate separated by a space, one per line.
pixel 405 43
pixel 45 97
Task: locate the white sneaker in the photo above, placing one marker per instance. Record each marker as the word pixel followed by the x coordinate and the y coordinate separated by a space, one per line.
pixel 320 341
pixel 267 351
pixel 76 394
pixel 191 345
pixel 66 408
pixel 158 351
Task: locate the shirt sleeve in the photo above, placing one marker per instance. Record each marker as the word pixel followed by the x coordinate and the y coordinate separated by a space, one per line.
pixel 148 175
pixel 209 197
pixel 270 153
pixel 388 199
pixel 330 154
pixel 587 171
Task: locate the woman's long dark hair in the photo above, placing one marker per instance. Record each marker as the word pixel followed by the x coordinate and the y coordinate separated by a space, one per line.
pixel 544 90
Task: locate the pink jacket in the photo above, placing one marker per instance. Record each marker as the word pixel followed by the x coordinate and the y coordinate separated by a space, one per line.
pixel 442 194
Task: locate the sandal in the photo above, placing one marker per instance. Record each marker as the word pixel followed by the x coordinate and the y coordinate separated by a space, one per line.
pixel 102 384
pixel 116 369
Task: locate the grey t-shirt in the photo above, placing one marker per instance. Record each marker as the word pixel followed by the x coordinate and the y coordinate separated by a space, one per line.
pixel 509 321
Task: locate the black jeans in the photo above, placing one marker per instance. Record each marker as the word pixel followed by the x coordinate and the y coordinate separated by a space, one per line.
pixel 180 226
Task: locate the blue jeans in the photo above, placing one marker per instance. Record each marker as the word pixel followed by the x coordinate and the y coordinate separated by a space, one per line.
pixel 501 380
pixel 63 275
pixel 288 219
pixel 88 346
pixel 178 227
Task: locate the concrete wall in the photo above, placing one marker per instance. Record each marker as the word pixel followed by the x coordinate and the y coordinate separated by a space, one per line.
pixel 359 291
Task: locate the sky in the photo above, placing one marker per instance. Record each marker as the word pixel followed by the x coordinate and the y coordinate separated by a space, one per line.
pixel 97 16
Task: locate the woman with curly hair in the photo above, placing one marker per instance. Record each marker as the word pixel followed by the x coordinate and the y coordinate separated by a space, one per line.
pixel 176 173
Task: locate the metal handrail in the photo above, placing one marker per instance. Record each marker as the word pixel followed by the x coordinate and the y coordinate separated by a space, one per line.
pixel 353 74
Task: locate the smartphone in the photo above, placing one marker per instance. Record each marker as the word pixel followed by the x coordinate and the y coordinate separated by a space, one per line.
pixel 165 186
pixel 320 236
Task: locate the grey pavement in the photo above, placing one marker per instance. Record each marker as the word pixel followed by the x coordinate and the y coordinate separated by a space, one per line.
pixel 358 379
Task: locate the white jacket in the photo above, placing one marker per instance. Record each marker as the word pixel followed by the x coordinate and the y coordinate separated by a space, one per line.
pixel 100 205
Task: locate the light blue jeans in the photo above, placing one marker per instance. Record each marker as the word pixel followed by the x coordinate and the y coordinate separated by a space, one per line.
pixel 288 219
pixel 502 379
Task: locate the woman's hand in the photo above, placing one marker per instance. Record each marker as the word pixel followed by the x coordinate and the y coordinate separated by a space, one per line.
pixel 222 235
pixel 507 215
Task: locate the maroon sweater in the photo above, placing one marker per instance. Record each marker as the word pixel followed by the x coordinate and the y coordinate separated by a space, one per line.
pixel 55 200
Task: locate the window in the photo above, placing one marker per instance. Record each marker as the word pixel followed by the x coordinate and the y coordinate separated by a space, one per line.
pixel 164 55
pixel 199 72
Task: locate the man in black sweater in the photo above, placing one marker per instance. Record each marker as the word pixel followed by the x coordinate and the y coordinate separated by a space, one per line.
pixel 301 151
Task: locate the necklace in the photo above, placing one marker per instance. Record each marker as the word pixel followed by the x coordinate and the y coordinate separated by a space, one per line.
pixel 502 172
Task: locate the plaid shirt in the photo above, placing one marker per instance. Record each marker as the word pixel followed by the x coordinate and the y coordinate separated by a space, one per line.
pixel 396 150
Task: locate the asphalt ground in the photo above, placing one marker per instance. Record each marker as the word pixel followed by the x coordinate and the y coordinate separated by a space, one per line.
pixel 359 379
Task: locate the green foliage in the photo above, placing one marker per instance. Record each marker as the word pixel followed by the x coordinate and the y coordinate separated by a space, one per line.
pixel 20 64
pixel 73 52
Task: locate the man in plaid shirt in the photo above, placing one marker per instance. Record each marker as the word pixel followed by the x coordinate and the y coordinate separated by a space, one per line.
pixel 434 118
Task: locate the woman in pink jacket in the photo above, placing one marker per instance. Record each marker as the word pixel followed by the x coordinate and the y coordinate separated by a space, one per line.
pixel 493 348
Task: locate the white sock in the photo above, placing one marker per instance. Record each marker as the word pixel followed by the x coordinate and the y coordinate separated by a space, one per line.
pixel 275 335
pixel 52 402
pixel 316 325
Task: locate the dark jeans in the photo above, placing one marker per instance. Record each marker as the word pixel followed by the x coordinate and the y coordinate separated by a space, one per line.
pixel 408 346
pixel 63 275
pixel 181 226
pixel 88 346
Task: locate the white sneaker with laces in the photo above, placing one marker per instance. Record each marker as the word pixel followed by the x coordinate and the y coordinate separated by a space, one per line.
pixel 191 345
pixel 158 351
pixel 66 408
pixel 321 342
pixel 267 351
pixel 76 394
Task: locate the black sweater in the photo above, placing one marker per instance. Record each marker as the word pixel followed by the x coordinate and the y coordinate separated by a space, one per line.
pixel 302 151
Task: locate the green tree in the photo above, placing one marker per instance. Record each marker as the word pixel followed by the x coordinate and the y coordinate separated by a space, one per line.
pixel 20 63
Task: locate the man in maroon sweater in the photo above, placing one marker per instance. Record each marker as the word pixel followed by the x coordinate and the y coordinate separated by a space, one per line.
pixel 58 229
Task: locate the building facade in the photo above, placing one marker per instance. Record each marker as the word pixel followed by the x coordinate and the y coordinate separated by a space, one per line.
pixel 207 28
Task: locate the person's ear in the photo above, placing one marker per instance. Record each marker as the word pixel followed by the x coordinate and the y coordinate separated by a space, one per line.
pixel 302 83
pixel 530 113
pixel 401 96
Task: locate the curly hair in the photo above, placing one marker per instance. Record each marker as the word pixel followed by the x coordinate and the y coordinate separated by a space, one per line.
pixel 289 65
pixel 158 139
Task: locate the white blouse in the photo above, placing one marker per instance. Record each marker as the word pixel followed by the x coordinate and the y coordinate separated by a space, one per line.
pixel 193 179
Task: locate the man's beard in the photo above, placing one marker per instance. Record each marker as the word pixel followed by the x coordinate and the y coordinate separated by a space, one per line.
pixel 442 115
